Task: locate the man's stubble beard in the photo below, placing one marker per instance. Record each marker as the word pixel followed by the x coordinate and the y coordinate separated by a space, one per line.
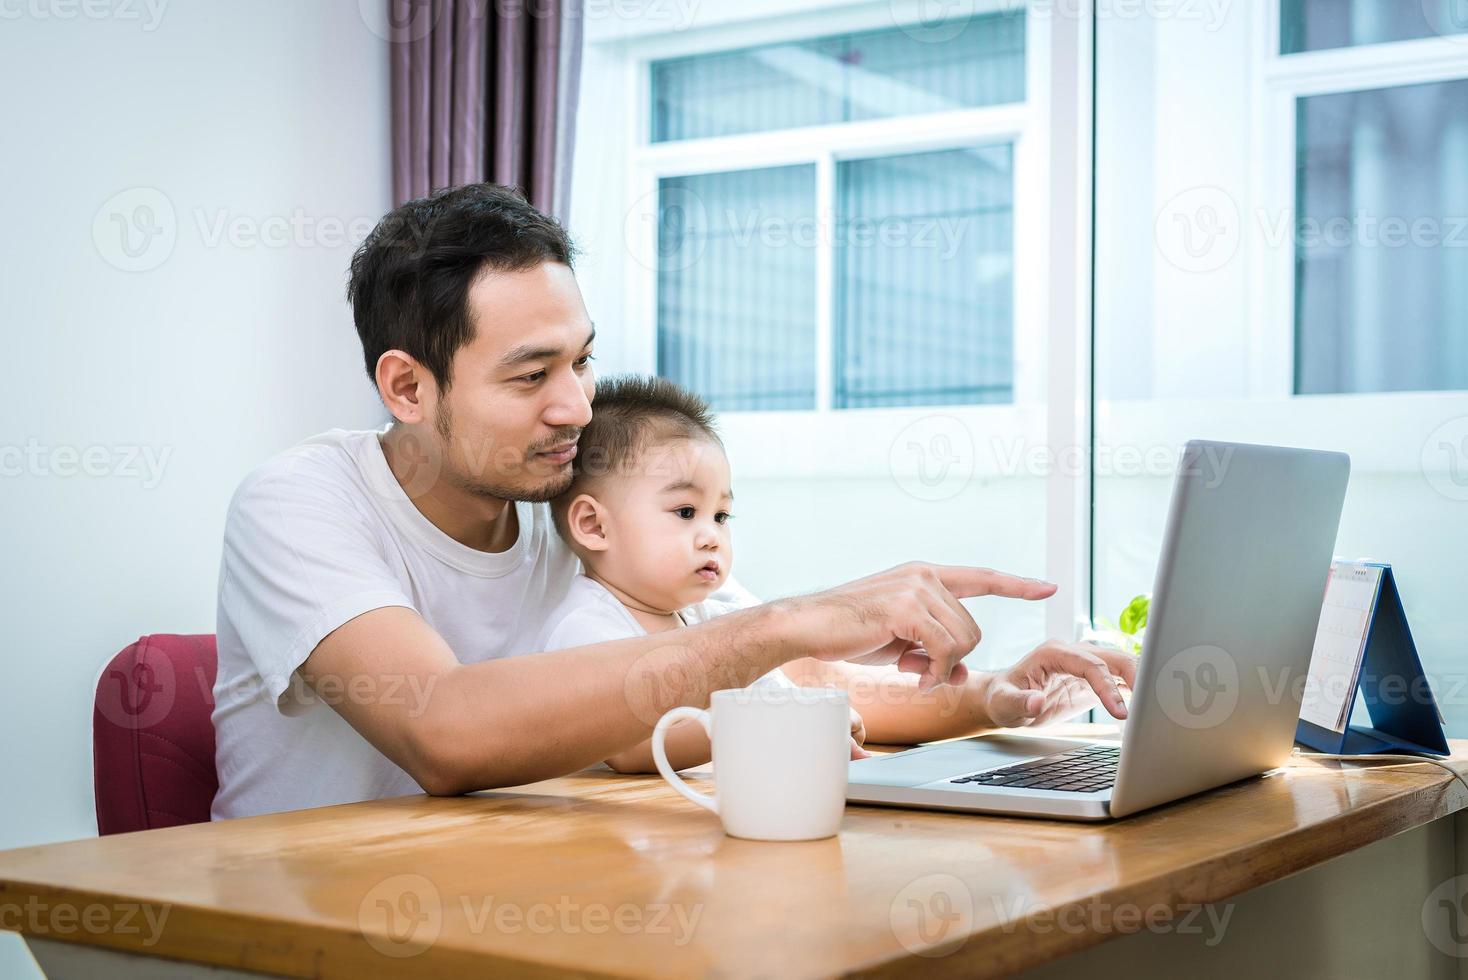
pixel 475 486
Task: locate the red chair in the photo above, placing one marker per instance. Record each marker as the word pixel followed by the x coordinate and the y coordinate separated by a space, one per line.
pixel 152 737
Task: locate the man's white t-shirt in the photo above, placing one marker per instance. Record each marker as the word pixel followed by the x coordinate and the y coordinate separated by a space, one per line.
pixel 314 538
pixel 591 614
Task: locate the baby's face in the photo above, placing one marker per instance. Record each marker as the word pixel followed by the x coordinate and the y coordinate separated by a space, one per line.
pixel 666 523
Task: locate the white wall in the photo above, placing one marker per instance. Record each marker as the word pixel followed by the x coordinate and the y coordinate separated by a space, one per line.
pixel 229 350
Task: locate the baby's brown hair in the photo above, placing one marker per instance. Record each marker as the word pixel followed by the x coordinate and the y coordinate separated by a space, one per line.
pixel 630 413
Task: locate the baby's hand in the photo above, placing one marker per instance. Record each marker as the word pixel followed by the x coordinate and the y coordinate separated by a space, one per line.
pixel 858 737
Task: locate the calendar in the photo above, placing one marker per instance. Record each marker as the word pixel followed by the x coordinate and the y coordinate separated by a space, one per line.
pixel 1364 646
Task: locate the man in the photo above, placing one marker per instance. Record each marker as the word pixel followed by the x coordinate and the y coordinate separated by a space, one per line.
pixel 379 592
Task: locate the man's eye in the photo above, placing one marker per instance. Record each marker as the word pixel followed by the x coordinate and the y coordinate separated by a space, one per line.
pixel 685 512
pixel 533 377
pixel 583 361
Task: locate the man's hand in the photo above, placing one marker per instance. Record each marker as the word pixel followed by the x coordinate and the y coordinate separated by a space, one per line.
pixel 909 615
pixel 1058 680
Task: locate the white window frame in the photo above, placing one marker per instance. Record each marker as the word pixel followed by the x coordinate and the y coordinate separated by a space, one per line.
pixel 1284 79
pixel 1051 134
pixel 824 147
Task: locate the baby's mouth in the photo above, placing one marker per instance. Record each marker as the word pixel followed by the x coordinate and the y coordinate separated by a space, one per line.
pixel 710 571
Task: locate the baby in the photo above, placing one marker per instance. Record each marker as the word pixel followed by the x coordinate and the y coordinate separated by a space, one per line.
pixel 648 514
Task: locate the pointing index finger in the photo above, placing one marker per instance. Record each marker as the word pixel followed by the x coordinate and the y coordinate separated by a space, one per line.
pixel 966 582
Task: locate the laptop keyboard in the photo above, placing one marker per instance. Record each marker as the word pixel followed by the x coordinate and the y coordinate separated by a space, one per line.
pixel 1084 770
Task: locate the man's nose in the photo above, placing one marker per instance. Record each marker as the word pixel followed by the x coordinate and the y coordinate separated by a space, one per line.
pixel 569 405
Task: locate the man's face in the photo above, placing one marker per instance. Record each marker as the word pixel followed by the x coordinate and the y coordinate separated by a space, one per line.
pixel 520 388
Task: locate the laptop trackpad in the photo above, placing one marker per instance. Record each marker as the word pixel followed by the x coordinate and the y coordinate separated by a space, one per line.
pixel 924 765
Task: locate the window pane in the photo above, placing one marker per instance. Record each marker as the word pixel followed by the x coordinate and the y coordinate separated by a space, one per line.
pixel 843 78
pixel 736 287
pixel 1195 338
pixel 1310 25
pixel 1381 253
pixel 925 279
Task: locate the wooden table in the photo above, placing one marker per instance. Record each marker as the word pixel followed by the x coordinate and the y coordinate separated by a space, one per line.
pixel 601 874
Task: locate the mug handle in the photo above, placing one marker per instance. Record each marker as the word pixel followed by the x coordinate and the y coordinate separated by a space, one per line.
pixel 660 754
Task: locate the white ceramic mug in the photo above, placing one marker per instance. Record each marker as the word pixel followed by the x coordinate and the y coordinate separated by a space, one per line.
pixel 780 760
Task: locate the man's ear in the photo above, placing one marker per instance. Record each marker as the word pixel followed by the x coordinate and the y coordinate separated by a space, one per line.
pixel 585 520
pixel 405 386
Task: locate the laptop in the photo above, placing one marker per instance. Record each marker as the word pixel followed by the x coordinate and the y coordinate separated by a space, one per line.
pixel 1235 604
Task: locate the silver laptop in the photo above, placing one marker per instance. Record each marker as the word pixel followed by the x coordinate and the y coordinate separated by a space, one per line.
pixel 1239 588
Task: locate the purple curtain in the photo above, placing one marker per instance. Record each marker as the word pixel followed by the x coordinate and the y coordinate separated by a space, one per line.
pixel 485 90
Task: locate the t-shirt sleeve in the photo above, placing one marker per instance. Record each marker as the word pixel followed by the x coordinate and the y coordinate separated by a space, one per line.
pixel 300 559
pixel 580 626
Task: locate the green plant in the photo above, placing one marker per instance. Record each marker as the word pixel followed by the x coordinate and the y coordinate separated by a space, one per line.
pixel 1128 630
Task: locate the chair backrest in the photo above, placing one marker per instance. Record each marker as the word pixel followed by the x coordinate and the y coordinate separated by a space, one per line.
pixel 152 736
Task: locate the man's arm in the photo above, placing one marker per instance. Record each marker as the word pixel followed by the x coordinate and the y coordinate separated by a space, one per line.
pixel 520 719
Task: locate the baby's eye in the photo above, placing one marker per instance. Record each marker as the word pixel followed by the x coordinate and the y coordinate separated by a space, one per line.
pixel 685 512
pixel 722 517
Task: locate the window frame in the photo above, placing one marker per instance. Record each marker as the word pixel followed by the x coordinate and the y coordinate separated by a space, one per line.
pixel 824 147
pixel 1284 79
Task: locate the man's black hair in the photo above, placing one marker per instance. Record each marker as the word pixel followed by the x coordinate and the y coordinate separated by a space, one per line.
pixel 410 278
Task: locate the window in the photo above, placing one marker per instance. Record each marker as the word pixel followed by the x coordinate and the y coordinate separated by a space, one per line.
pixel 1293 274
pixel 1313 25
pixel 878 270
pixel 834 223
pixel 1381 267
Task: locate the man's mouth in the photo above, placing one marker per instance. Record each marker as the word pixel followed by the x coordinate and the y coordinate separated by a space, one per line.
pixel 709 572
pixel 559 455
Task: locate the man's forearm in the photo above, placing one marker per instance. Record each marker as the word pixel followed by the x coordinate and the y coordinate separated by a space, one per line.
pixel 895 712
pixel 520 719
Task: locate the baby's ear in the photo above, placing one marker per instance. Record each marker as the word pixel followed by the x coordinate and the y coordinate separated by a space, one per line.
pixel 584 519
